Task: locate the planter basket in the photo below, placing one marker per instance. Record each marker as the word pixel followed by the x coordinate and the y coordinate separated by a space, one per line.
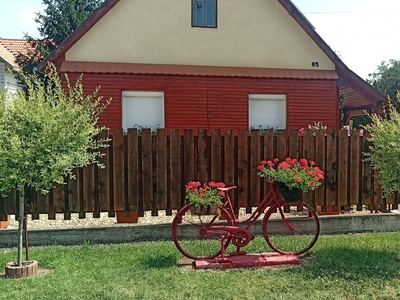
pixel 205 210
pixel 292 195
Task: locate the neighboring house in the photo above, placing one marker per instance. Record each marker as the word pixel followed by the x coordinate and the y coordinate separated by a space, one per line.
pixel 211 64
pixel 9 50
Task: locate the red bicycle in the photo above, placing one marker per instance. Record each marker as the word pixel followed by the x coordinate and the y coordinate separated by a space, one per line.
pixel 288 228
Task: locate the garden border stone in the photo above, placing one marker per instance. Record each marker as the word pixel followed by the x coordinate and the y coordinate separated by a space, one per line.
pixel 127 233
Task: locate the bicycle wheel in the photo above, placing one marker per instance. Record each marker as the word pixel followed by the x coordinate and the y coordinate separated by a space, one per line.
pixel 193 239
pixel 296 233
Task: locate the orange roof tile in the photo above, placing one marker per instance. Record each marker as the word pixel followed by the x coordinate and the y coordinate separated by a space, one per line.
pixel 16 46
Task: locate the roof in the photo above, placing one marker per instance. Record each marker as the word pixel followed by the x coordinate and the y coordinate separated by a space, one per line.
pixel 10 48
pixel 347 78
pixel 105 67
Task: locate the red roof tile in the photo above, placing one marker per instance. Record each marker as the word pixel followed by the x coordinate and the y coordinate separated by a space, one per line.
pixel 105 67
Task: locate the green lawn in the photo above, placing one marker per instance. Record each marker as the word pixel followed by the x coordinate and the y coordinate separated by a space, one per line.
pixel 356 266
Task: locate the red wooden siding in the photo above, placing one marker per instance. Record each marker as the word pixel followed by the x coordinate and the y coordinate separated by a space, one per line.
pixel 218 102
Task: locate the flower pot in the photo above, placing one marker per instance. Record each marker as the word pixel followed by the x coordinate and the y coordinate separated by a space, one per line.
pixel 292 195
pixel 129 217
pixel 205 210
pixel 4 224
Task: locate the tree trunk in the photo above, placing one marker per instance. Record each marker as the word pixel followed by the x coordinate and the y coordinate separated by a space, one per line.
pixel 20 222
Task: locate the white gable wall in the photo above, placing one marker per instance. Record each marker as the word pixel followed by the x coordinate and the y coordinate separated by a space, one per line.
pixel 251 33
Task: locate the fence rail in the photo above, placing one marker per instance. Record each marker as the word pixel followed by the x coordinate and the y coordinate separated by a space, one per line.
pixel 148 172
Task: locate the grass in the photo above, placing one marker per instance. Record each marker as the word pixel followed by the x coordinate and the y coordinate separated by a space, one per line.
pixel 356 266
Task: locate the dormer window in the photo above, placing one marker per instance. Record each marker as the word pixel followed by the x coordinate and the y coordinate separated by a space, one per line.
pixel 204 13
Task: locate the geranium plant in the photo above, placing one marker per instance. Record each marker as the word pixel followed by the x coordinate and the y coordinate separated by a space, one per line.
pixel 204 195
pixel 302 174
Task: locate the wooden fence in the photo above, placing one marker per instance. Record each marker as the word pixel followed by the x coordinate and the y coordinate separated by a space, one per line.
pixel 148 172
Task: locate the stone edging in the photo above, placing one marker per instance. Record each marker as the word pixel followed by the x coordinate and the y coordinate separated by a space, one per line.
pixel 125 233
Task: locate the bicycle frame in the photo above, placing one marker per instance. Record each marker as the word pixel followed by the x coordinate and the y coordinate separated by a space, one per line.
pixel 233 229
pixel 269 200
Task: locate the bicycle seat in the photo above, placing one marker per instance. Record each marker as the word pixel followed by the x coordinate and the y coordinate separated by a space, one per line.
pixel 225 189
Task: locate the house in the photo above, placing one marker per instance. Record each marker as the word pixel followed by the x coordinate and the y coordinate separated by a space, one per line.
pixel 9 50
pixel 212 64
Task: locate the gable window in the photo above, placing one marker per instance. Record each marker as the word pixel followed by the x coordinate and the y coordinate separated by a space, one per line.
pixel 142 109
pixel 204 13
pixel 267 111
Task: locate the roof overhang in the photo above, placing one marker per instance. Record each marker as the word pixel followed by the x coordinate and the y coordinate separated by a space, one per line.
pixel 131 68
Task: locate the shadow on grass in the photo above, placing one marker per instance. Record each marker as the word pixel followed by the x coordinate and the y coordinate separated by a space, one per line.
pixel 159 261
pixel 347 263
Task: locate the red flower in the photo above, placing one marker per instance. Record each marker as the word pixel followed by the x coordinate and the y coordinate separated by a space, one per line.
pixel 304 162
pixel 298 179
pixel 270 163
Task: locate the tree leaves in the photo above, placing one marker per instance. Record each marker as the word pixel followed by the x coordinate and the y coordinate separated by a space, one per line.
pixel 385 149
pixel 48 132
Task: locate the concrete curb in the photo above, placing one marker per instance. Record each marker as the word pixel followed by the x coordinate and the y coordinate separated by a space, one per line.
pixel 126 233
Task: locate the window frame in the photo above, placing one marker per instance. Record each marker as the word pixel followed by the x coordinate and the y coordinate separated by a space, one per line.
pixel 204 25
pixel 269 97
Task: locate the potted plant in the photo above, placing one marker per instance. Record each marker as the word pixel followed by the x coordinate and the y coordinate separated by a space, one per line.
pixel 291 175
pixel 205 197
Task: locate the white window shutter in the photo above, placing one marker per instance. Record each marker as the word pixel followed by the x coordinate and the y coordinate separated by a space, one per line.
pixel 142 109
pixel 267 111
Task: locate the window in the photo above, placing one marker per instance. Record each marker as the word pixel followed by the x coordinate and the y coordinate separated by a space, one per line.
pixel 267 111
pixel 204 13
pixel 142 109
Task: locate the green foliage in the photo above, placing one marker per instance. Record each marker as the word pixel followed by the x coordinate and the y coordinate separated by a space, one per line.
pixel 386 78
pixel 48 132
pixel 385 149
pixel 361 121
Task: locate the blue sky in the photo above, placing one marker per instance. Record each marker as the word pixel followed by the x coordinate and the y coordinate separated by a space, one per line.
pixel 362 32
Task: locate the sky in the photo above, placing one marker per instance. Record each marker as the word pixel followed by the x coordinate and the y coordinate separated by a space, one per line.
pixel 362 32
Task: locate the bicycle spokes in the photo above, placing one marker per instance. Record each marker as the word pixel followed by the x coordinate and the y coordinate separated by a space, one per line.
pixel 291 227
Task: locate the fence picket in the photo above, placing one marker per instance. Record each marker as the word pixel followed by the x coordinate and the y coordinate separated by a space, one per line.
pixel 355 161
pixel 216 154
pixel 320 150
pixel 343 168
pixel 242 178
pixel 331 169
pixel 147 170
pixel 175 168
pixel 103 180
pixel 118 169
pixel 162 169
pixel 202 156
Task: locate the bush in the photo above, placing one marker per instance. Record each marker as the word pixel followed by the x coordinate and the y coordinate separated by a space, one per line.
pixel 384 152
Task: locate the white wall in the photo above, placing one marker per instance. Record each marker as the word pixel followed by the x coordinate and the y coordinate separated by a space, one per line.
pixel 251 33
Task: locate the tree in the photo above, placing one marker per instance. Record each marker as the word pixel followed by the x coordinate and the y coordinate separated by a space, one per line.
pixel 47 133
pixel 385 148
pixel 62 17
pixel 386 79
pixel 59 19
